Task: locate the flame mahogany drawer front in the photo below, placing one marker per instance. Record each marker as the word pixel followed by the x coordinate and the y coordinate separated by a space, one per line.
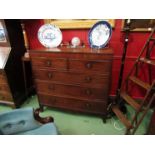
pixel 89 80
pixel 70 90
pixel 72 104
pixel 73 79
pixel 51 63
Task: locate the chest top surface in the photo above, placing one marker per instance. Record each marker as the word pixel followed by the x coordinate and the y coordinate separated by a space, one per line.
pixel 74 50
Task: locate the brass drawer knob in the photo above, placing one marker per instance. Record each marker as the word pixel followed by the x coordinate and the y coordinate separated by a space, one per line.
pixel 48 63
pixel 88 79
pixel 89 65
pixel 50 75
pixel 51 87
pixel 88 92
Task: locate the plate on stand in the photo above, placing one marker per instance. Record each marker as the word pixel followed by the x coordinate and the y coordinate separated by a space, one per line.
pixel 100 34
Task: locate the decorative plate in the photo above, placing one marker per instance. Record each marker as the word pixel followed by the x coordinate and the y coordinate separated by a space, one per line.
pixel 100 34
pixel 49 35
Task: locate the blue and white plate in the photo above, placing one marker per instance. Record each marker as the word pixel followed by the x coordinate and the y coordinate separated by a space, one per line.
pixel 100 34
pixel 49 35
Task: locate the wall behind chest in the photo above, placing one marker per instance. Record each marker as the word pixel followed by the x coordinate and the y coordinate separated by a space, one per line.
pixel 136 42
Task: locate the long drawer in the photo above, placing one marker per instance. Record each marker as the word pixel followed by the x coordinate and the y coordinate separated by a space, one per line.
pixel 52 63
pixel 70 90
pixel 89 80
pixel 73 104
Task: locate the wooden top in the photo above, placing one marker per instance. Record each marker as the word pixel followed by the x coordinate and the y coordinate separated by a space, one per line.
pixel 4 54
pixel 75 50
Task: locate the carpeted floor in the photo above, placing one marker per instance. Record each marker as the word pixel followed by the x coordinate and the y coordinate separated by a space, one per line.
pixel 80 124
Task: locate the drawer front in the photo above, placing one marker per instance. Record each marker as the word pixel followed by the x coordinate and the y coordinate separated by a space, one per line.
pixel 100 67
pixel 69 90
pixel 4 87
pixel 89 80
pixel 2 77
pixel 49 63
pixel 5 96
pixel 73 104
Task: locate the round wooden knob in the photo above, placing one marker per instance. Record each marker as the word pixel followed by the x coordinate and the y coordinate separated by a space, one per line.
pixel 50 75
pixel 88 79
pixel 89 65
pixel 48 63
pixel 88 92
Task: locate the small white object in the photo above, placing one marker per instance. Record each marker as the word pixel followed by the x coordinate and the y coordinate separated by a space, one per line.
pixel 126 40
pixel 26 55
pixel 75 41
pixel 128 21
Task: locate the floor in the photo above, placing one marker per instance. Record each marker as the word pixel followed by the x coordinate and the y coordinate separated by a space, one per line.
pixel 79 124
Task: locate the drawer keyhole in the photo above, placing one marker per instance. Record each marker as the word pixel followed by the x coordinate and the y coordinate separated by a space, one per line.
pixel 48 63
pixel 88 79
pixel 50 75
pixel 88 92
pixel 89 65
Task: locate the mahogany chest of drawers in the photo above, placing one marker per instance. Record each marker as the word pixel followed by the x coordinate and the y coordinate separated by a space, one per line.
pixel 73 79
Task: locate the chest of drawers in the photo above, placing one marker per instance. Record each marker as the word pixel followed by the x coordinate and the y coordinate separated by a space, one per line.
pixel 12 90
pixel 73 79
pixel 11 81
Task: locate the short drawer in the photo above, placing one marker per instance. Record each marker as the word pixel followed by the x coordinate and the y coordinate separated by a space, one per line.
pixel 53 63
pixel 73 104
pixel 100 67
pixel 70 90
pixel 90 80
